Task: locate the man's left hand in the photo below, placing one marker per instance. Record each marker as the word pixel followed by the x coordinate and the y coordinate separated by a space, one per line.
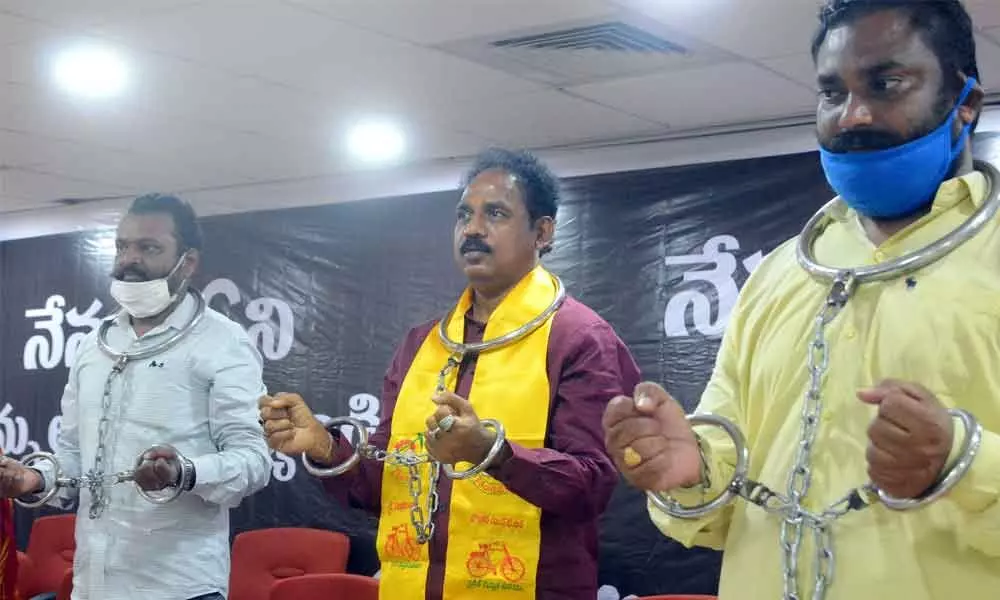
pixel 909 440
pixel 160 469
pixel 467 440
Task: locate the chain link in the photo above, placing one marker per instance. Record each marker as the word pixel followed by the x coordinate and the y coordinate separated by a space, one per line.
pixel 800 478
pixel 95 480
pixel 422 517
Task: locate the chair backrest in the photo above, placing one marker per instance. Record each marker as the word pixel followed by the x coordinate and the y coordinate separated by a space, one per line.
pixel 263 556
pixel 66 587
pixel 325 587
pixel 51 545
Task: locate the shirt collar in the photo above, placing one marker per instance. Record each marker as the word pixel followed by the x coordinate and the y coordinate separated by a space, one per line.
pixel 970 187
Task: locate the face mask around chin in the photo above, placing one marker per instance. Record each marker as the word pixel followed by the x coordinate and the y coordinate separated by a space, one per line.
pixel 896 182
pixel 142 299
pixel 145 299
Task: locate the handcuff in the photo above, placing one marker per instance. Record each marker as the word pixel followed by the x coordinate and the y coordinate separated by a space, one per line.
pixel 89 480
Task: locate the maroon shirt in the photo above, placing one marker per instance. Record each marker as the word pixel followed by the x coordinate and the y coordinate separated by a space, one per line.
pixel 571 479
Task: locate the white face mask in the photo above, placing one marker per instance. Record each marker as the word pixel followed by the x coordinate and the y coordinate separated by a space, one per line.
pixel 144 299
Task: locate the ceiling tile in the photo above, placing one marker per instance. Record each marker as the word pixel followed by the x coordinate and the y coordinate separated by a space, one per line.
pixel 721 94
pixel 752 29
pixel 447 20
pixel 86 12
pixel 15 29
pixel 147 171
pixel 41 187
pixel 170 87
pixel 988 59
pixel 13 149
pixel 985 13
pixel 125 128
pixel 387 75
pixel 181 88
pixel 235 34
pixel 543 119
pixel 798 68
pixel 102 124
pixel 9 204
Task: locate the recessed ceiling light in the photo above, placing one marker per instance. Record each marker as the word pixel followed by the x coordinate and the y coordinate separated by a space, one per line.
pixel 90 71
pixel 376 141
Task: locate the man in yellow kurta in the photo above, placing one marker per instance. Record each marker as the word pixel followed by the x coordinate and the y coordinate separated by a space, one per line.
pixel 860 397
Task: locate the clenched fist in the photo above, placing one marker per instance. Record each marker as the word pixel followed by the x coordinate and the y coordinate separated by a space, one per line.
pixel 17 480
pixel 291 428
pixel 909 440
pixel 467 440
pixel 651 441
pixel 160 468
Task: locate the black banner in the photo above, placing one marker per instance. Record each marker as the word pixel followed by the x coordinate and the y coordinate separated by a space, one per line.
pixel 327 293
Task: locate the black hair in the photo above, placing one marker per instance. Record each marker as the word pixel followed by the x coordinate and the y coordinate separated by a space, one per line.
pixel 186 229
pixel 945 25
pixel 539 185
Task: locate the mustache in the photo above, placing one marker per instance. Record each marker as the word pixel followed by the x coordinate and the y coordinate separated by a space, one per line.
pixel 860 140
pixel 121 274
pixel 474 245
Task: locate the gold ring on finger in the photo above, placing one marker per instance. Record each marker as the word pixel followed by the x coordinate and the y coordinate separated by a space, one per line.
pixel 632 458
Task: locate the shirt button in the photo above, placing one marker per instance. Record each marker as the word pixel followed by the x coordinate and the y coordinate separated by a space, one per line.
pixel 851 333
pixel 879 255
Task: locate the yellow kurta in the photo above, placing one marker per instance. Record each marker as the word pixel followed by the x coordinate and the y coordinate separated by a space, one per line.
pixel 940 328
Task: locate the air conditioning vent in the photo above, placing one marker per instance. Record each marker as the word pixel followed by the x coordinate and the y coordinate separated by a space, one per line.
pixel 608 37
pixel 621 44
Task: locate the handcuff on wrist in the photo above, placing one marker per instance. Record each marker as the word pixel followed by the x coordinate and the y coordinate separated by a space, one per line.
pixel 741 486
pixel 185 482
pixel 364 450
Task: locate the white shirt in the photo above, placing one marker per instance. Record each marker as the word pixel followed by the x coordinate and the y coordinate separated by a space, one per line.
pixel 199 396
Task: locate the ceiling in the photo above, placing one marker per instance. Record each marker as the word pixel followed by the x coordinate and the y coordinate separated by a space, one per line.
pixel 230 93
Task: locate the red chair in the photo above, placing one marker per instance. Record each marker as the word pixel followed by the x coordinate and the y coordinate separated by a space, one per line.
pixel 51 546
pixel 66 587
pixel 265 556
pixel 325 587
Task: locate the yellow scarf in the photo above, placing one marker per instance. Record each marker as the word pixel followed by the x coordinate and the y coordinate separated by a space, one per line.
pixel 493 535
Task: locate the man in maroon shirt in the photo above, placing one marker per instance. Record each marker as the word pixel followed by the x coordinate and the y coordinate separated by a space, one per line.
pixel 505 223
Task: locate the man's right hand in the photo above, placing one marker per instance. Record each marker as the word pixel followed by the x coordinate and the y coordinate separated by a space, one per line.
pixel 291 428
pixel 16 480
pixel 651 441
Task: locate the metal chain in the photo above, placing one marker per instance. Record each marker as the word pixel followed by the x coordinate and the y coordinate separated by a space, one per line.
pixel 95 480
pixel 789 506
pixel 422 517
pixel 800 478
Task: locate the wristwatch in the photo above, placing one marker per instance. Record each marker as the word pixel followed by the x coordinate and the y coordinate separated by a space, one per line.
pixel 186 475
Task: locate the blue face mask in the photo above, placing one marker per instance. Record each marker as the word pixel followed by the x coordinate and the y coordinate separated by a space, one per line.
pixel 895 182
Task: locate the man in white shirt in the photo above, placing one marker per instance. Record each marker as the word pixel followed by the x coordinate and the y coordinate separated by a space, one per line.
pixel 190 378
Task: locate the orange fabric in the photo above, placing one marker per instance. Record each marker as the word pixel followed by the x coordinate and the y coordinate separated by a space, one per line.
pixel 265 556
pixel 8 551
pixel 326 587
pixel 51 546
